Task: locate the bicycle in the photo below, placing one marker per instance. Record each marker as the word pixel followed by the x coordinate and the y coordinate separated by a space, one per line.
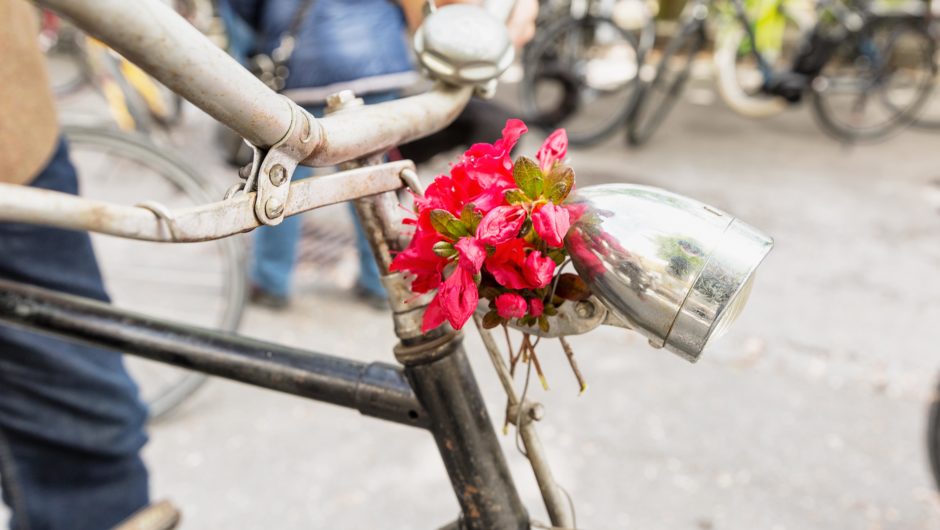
pixel 851 53
pixel 583 64
pixel 147 277
pixel 779 28
pixel 679 291
pixel 933 436
pixel 135 101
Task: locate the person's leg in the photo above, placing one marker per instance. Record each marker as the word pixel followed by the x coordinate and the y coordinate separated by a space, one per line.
pixel 71 421
pixel 275 253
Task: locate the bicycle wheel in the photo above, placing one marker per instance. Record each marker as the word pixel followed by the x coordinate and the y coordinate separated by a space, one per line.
pixel 877 81
pixel 933 436
pixel 200 283
pixel 580 75
pixel 654 98
pixel 65 62
pixel 739 77
pixel 929 116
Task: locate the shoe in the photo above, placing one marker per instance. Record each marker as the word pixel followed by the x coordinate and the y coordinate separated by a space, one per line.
pixel 260 297
pixel 371 298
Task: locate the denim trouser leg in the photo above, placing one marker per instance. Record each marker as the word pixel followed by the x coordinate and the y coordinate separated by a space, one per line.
pixel 275 252
pixel 71 421
pixel 275 247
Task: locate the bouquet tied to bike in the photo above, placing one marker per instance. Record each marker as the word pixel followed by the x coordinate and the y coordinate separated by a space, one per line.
pixel 494 229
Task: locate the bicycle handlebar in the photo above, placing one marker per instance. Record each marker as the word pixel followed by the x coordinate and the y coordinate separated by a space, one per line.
pixel 151 35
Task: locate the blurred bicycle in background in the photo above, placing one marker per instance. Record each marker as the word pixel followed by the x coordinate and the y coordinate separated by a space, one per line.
pixel 869 69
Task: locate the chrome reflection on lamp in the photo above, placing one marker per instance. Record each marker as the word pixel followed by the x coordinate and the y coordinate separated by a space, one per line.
pixel 676 270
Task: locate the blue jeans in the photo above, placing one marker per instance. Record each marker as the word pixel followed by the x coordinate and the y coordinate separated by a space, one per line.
pixel 71 421
pixel 275 247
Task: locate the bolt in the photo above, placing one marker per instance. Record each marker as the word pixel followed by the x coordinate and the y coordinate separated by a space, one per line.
pixel 537 412
pixel 341 100
pixel 277 174
pixel 273 208
pixel 585 309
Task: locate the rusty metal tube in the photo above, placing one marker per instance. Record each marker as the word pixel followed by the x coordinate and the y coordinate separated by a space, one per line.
pixel 360 131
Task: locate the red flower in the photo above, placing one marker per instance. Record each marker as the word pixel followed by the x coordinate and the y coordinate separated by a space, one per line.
pixel 551 222
pixel 510 305
pixel 501 224
pixel 579 245
pixel 433 315
pixel 506 264
pixel 554 149
pixel 538 269
pixel 536 307
pixel 455 301
pixel 472 253
pixel 420 260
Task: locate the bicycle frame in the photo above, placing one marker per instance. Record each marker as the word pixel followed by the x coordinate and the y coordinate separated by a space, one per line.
pixel 435 389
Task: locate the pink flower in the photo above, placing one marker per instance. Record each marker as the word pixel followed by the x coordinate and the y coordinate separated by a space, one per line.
pixel 536 307
pixel 433 315
pixel 580 247
pixel 455 301
pixel 538 269
pixel 551 222
pixel 472 253
pixel 491 164
pixel 510 305
pixel 554 149
pixel 420 260
pixel 501 224
pixel 506 264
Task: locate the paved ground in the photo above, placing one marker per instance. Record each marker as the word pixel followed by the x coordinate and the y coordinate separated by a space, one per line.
pixel 809 415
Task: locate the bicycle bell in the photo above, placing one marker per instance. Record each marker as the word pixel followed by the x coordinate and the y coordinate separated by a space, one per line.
pixel 676 270
pixel 463 44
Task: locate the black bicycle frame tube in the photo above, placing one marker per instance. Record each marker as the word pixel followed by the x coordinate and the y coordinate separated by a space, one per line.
pixel 443 381
pixel 376 389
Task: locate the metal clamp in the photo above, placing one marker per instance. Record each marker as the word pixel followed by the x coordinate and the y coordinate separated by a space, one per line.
pixel 270 171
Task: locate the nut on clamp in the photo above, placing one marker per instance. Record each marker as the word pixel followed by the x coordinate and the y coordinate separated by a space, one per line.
pixel 464 44
pixel 271 177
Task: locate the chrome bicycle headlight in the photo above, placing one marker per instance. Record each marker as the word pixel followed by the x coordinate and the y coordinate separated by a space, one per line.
pixel 676 270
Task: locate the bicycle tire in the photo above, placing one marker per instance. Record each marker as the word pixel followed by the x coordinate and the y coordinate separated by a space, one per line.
pixel 583 108
pixel 646 115
pixel 745 102
pixel 933 436
pixel 852 52
pixel 178 175
pixel 74 75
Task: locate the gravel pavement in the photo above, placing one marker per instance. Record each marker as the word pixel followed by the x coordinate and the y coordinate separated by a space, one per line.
pixel 808 415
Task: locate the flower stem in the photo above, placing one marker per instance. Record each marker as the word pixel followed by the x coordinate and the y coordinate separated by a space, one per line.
pixel 574 364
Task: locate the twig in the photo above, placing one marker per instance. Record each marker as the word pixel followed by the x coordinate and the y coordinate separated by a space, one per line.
pixel 574 364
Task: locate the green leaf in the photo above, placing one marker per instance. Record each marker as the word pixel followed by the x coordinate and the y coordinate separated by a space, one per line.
pixel 558 183
pixel 515 196
pixel 572 287
pixel 543 324
pixel 444 249
pixel 489 292
pixel 491 320
pixel 447 225
pixel 551 310
pixel 470 217
pixel 528 177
